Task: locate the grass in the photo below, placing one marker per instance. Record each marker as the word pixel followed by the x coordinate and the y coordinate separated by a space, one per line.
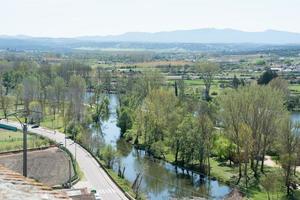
pixel 294 88
pixel 10 141
pixel 222 171
pixel 56 124
pixel 79 172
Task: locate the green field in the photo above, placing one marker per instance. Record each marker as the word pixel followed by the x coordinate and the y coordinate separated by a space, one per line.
pixel 10 141
pixel 294 88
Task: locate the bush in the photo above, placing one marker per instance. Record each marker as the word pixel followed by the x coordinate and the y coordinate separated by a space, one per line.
pixel 223 148
pixel 214 93
pixel 108 154
pixel 157 149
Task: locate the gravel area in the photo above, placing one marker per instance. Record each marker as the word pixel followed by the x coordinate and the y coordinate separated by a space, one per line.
pixel 49 166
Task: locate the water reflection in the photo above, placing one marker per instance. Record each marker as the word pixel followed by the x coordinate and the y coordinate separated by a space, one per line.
pixel 161 180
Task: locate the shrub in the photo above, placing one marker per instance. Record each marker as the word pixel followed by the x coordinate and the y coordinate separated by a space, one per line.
pixel 108 154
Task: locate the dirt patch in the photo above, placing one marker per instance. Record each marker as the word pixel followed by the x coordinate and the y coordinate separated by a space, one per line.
pixel 269 162
pixel 49 166
pixel 235 194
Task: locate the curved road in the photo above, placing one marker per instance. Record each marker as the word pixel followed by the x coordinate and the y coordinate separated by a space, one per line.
pixel 94 176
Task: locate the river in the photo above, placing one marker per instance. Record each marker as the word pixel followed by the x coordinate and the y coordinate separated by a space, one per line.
pixel 161 180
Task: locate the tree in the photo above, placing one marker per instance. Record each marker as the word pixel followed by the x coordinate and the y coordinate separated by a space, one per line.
pixel 35 115
pixel 124 119
pixel 261 109
pixel 289 142
pixel 8 81
pixel 232 108
pixel 184 140
pixel 51 100
pixel 31 89
pixel 204 135
pixel 181 88
pixel 235 82
pixel 18 93
pixel 271 183
pixel 177 130
pixel 5 101
pixel 281 85
pixel 59 92
pixel 207 72
pixel 77 91
pixel 246 144
pixel 108 154
pixel 266 77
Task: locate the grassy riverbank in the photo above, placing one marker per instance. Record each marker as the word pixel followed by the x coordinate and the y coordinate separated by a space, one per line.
pixel 227 174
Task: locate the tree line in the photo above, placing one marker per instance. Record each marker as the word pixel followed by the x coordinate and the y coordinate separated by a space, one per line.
pixel 241 126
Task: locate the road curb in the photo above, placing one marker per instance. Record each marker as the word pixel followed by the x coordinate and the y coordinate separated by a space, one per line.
pixel 112 179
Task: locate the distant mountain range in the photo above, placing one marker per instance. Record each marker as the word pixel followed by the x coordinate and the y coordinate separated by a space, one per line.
pixel 208 35
pixel 186 40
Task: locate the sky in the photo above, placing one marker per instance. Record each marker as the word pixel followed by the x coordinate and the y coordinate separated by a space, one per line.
pixel 71 18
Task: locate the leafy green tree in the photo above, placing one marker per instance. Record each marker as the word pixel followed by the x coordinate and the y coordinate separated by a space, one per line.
pixel 180 136
pixel 289 142
pixel 271 183
pixel 204 142
pixel 266 77
pixel 235 82
pixel 124 119
pixel 281 85
pixel 261 109
pixel 109 155
pixel 223 148
pixel 8 81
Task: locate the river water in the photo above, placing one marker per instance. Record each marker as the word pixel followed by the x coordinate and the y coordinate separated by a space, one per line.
pixel 295 116
pixel 161 180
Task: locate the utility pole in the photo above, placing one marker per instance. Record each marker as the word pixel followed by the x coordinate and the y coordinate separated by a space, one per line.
pixel 25 147
pixel 25 130
pixel 70 176
pixel 75 151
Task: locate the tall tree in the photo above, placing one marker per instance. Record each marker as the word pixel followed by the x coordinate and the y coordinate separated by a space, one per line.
pixel 261 109
pixel 31 91
pixel 207 72
pixel 289 142
pixel 59 92
pixel 77 91
pixel 18 93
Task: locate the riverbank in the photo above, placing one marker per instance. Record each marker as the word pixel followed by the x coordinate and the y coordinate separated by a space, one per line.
pixel 222 172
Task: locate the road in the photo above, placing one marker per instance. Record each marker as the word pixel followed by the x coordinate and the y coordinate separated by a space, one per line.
pixel 94 176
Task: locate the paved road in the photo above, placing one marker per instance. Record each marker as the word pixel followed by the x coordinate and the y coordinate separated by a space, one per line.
pixel 94 176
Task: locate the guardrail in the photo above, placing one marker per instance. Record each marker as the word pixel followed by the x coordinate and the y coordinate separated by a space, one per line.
pixel 8 127
pixel 74 179
pixel 103 167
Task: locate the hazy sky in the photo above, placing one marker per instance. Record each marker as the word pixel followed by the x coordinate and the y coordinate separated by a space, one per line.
pixel 66 18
